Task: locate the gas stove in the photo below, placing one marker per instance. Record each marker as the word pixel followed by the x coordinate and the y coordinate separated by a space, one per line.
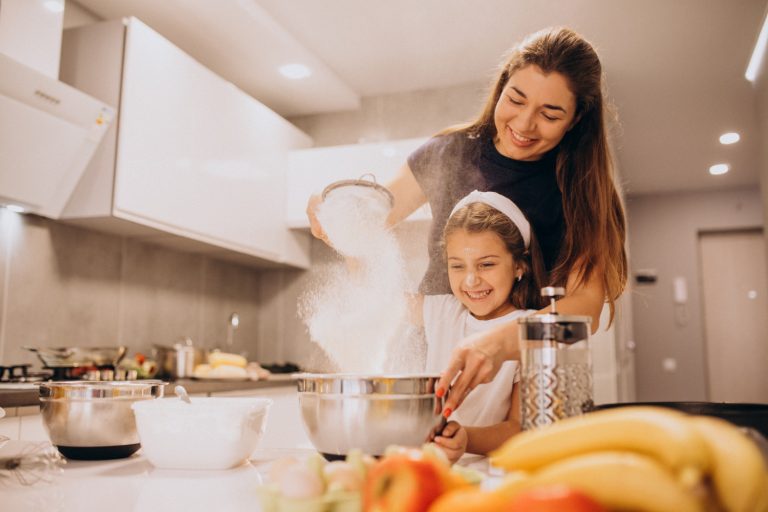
pixel 21 373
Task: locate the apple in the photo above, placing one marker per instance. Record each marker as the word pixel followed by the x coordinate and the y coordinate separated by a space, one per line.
pixel 400 483
pixel 553 498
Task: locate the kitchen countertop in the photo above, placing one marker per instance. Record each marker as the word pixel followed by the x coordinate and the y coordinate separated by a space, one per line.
pixel 133 485
pixel 26 394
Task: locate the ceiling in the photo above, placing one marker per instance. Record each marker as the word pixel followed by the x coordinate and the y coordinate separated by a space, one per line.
pixel 674 69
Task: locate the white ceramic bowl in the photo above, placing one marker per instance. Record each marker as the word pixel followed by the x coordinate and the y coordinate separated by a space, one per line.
pixel 209 433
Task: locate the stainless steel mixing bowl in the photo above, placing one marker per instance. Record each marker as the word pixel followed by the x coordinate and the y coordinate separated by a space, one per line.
pixel 93 419
pixel 346 411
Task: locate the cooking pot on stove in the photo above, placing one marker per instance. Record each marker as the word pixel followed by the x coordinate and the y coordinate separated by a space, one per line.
pixel 74 357
pixel 178 361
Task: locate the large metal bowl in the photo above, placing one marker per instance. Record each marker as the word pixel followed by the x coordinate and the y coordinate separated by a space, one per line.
pixel 346 411
pixel 93 420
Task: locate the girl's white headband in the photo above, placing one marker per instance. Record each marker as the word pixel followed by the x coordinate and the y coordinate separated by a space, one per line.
pixel 504 205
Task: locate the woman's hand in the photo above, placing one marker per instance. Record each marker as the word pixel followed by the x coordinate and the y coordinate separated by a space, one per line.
pixel 314 224
pixel 453 441
pixel 476 361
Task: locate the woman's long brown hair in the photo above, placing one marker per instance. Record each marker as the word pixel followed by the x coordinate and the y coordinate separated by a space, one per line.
pixel 595 227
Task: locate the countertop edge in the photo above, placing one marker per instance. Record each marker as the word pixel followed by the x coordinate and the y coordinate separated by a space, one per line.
pixel 10 398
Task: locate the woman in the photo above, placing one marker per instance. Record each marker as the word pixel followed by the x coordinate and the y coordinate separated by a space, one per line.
pixel 540 141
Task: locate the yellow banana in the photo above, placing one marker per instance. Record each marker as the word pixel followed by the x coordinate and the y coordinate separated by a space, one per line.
pixel 738 471
pixel 618 480
pixel 663 434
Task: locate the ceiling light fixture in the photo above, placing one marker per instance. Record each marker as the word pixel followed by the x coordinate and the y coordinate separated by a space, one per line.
pixel 730 138
pixel 758 53
pixel 719 169
pixel 13 208
pixel 54 5
pixel 295 71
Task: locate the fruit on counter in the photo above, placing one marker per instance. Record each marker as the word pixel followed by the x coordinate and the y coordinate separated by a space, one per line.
pixel 145 368
pixel 739 469
pixel 553 498
pixel 617 480
pixel 663 434
pixel 223 371
pixel 700 462
pixel 401 483
pixel 470 499
pixel 314 485
pixel 217 358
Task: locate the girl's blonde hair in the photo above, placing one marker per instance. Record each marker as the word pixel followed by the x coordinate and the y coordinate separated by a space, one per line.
pixel 480 217
pixel 595 227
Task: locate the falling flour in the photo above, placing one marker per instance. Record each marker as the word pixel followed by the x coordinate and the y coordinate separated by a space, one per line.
pixel 358 310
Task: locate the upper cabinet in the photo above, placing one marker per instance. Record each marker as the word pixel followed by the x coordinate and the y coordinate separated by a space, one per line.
pixel 311 170
pixel 192 161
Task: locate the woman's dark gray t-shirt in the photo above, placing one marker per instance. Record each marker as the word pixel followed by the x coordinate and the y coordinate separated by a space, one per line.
pixel 448 167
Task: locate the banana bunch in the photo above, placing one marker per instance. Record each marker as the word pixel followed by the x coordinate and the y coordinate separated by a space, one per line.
pixel 641 458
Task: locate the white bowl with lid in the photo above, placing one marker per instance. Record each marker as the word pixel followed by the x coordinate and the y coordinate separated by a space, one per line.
pixel 208 433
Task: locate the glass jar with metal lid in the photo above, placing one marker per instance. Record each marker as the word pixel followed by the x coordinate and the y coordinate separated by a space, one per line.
pixel 556 368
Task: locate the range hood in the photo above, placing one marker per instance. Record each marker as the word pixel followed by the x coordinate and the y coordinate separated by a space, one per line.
pixel 48 133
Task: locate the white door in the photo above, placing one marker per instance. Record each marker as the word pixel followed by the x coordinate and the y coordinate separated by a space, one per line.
pixel 733 277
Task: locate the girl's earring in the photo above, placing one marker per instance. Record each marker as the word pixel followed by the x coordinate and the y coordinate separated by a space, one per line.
pixel 519 278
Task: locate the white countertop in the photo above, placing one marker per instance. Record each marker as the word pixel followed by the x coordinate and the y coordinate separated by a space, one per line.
pixel 134 485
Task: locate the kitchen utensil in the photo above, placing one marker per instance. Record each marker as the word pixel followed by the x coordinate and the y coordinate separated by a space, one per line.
pixel 361 182
pixel 346 411
pixel 28 463
pixel 178 361
pixel 181 392
pixel 209 433
pixel 93 420
pixel 232 324
pixel 72 357
pixel 556 369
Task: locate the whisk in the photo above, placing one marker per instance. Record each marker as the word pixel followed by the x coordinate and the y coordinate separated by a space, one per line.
pixel 35 462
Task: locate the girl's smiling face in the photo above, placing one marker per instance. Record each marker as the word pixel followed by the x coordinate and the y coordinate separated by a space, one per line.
pixel 481 271
pixel 533 113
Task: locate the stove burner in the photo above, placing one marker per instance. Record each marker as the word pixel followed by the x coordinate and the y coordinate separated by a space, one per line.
pixel 21 373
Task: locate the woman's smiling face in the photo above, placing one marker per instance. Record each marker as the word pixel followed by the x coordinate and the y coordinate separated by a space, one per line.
pixel 533 113
pixel 481 271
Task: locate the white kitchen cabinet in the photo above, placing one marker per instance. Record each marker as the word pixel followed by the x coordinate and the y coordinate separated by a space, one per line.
pixel 310 170
pixel 192 162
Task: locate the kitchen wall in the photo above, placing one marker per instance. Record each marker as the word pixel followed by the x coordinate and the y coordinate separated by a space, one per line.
pixel 63 285
pixel 664 237
pixel 761 111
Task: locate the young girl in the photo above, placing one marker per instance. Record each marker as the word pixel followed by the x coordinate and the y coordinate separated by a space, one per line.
pixel 495 274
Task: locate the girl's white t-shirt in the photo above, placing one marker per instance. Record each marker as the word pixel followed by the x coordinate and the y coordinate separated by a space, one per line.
pixel 446 324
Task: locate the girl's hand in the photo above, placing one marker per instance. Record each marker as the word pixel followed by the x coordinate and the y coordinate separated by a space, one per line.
pixel 476 361
pixel 453 441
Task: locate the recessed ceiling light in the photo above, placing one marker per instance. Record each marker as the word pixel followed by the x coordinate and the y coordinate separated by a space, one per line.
pixel 718 169
pixel 758 52
pixel 730 138
pixel 295 71
pixel 54 5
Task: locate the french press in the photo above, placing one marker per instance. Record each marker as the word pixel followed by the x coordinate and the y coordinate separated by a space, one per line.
pixel 556 369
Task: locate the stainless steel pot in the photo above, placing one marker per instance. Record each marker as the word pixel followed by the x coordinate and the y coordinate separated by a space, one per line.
pixel 179 360
pixel 94 420
pixel 74 357
pixel 345 411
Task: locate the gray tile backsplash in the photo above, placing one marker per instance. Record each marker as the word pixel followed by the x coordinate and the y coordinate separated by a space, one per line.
pixel 65 285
